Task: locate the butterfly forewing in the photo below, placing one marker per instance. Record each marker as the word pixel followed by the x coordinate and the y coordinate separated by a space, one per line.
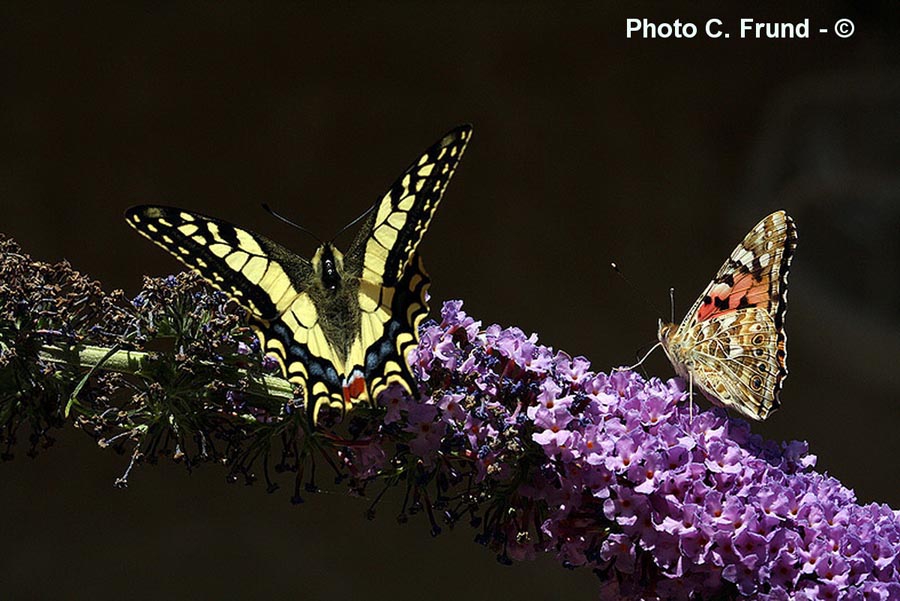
pixel 262 276
pixel 392 280
pixel 392 233
pixel 732 342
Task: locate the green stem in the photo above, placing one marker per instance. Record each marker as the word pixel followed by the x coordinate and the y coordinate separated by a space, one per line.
pixel 134 362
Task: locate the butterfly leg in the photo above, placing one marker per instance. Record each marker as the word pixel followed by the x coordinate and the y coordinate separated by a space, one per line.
pixel 639 363
pixel 691 397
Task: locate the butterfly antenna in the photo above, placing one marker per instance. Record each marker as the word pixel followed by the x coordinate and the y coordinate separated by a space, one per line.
pixel 643 297
pixel 652 308
pixel 271 212
pixel 672 303
pixel 354 222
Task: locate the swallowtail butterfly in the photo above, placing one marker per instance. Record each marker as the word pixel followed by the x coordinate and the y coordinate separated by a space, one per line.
pixel 340 325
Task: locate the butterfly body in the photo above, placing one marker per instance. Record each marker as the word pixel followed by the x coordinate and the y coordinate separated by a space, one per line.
pixel 334 292
pixel 731 345
pixel 339 324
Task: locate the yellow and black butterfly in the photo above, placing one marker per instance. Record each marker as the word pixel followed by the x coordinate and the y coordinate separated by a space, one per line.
pixel 340 325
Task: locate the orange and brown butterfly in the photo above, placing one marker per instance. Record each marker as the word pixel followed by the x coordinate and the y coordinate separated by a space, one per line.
pixel 339 324
pixel 731 345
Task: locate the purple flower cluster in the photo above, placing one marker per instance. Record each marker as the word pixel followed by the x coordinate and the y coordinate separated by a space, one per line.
pixel 613 472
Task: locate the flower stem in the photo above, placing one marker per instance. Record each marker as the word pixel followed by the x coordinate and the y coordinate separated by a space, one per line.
pixel 136 362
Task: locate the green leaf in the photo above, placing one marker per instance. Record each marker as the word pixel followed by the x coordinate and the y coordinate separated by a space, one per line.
pixel 73 398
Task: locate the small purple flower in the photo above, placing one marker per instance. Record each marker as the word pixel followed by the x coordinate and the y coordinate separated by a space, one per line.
pixel 556 441
pixel 811 555
pixel 881 551
pixel 750 547
pixel 627 452
pixel 428 432
pixel 644 475
pixel 782 570
pixel 834 569
pixel 655 410
pixel 573 370
pixel 619 549
pixel 723 458
pixel 744 576
pixel 394 399
pixel 451 410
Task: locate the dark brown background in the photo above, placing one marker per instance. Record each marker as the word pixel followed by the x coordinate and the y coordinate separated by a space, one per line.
pixel 588 147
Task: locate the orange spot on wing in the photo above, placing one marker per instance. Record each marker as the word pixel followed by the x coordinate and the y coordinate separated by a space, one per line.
pixel 757 291
pixel 707 311
pixel 354 388
pixel 753 292
pixel 742 283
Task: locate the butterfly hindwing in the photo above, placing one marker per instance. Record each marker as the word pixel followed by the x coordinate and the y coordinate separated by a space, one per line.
pixel 732 342
pixel 385 360
pixel 733 361
pixel 298 340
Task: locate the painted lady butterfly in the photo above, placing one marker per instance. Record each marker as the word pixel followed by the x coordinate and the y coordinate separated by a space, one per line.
pixel 731 344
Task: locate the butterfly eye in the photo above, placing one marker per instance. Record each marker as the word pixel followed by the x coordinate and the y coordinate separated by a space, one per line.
pixel 758 340
pixel 763 367
pixel 758 352
pixel 756 382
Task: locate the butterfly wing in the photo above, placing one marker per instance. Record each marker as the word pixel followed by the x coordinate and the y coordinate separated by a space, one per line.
pixel 269 281
pixel 734 361
pixel 390 236
pixel 755 275
pixel 733 338
pixel 392 279
pixel 260 275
